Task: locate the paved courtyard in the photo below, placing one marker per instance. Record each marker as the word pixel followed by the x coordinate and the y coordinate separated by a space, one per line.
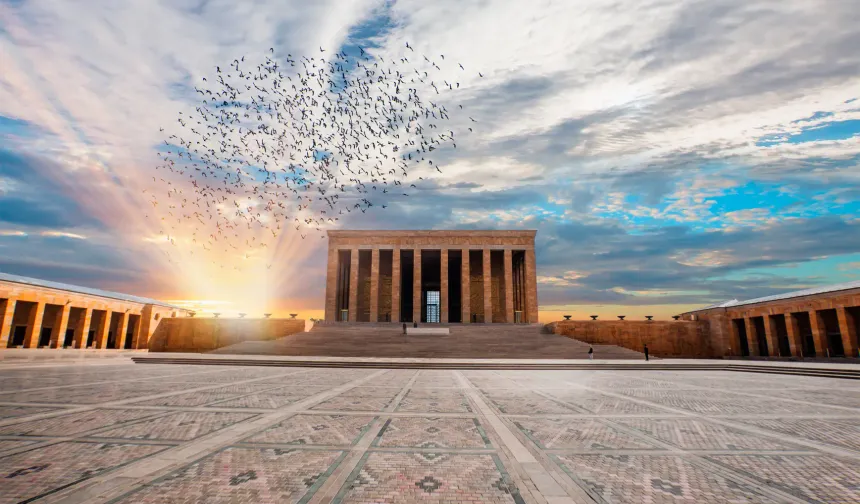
pixel 113 431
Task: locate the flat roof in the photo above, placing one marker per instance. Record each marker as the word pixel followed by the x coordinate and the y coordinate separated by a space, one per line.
pixel 824 289
pixel 38 282
pixel 431 232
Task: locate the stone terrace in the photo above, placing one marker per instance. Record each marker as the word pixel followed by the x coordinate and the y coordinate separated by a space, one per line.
pixel 111 431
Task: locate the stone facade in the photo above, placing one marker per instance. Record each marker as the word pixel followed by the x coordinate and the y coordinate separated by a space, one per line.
pixel 35 314
pixel 664 338
pixel 187 334
pixel 494 275
pixel 819 324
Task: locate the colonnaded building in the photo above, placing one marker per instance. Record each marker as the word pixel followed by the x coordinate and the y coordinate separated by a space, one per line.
pixel 431 276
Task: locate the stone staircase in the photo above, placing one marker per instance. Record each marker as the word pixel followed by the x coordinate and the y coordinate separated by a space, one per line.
pixel 465 341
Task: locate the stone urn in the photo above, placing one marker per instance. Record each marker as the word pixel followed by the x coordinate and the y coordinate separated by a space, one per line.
pixel 649 317
pixel 267 315
pixel 593 317
pixel 242 315
pixel 192 314
pixel 621 317
pixel 676 317
pixel 567 317
pixel 293 315
pixel 216 314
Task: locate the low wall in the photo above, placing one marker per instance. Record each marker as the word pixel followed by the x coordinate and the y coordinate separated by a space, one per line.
pixel 203 334
pixel 664 338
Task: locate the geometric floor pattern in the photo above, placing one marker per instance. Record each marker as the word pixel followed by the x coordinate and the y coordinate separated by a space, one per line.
pixel 117 432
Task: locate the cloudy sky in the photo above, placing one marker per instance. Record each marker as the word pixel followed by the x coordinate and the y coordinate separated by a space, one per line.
pixel 671 154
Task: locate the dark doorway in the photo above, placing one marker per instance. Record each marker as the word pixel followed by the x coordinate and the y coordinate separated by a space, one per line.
pixel 69 338
pixel 407 273
pixel 18 335
pixel 497 286
pixel 385 285
pixel 518 260
pixel 455 286
pixel 854 319
pixel 741 328
pixel 476 285
pixel 342 289
pixel 805 328
pixel 90 337
pixel 44 337
pixel 833 337
pixel 760 337
pixel 779 326
pixel 363 303
pixel 431 268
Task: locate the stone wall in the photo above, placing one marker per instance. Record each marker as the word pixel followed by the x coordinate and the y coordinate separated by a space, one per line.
pixel 664 338
pixel 204 334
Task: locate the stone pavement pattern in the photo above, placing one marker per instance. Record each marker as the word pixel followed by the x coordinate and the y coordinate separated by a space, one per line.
pixel 124 433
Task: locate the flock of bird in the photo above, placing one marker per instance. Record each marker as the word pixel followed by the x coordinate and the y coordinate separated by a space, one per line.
pixel 295 144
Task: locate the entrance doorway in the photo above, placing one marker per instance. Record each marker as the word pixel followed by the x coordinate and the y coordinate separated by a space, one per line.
pixel 45 337
pixel 18 335
pixel 432 306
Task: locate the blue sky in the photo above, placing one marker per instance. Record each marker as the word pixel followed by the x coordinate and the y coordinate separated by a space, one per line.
pixel 671 163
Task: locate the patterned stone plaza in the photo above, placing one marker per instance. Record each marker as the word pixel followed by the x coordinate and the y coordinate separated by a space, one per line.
pixel 112 431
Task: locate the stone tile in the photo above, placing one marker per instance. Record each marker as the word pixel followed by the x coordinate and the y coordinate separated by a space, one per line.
pixel 9 444
pixel 433 432
pixel 42 471
pixel 327 430
pixel 240 475
pixel 180 426
pixel 189 399
pixel 373 392
pixel 813 478
pixel 257 401
pixel 20 411
pixel 347 403
pixel 694 434
pixel 577 434
pixel 76 423
pixel 844 432
pixel 407 478
pixel 452 405
pixel 613 406
pixel 650 479
pixel 526 404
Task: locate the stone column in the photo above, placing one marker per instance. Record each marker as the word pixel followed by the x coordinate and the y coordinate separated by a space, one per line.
pixel 102 330
pixel 331 285
pixel 416 286
pixel 465 291
pixel 819 338
pixel 848 330
pixel 61 323
pixel 122 328
pixel 34 325
pixel 771 337
pixel 531 287
pixel 353 285
pixel 509 286
pixel 374 285
pixel 395 285
pixel 147 327
pixel 752 338
pixel 443 286
pixel 793 330
pixel 82 331
pixel 7 313
pixel 488 287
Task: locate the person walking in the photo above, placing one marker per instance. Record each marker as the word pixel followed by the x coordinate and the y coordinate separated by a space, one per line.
pixel 590 353
pixel 646 352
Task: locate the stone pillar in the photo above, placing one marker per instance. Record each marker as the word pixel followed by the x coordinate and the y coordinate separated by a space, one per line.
pixel 848 330
pixel 819 338
pixel 395 285
pixel 374 285
pixel 147 327
pixel 331 285
pixel 531 287
pixel 465 292
pixel 353 285
pixel 82 331
pixel 122 328
pixel 793 330
pixel 7 313
pixel 135 332
pixel 34 325
pixel 102 330
pixel 443 289
pixel 61 323
pixel 752 338
pixel 771 337
pixel 488 287
pixel 509 286
pixel 416 286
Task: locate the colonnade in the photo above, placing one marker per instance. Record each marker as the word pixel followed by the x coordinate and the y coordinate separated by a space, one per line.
pixel 797 333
